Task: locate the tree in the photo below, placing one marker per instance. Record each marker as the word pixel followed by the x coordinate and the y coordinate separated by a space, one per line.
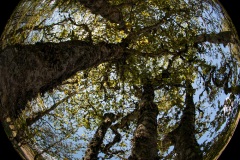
pixel 117 65
pixel 183 136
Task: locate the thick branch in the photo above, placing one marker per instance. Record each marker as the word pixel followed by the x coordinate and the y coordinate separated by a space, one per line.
pixel 106 10
pixel 224 37
pixel 219 38
pixel 124 123
pixel 116 139
pixel 126 120
pixel 30 69
pixel 97 140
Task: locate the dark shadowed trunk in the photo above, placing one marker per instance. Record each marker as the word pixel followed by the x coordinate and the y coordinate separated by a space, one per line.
pixel 30 69
pixel 95 144
pixel 26 70
pixel 144 145
pixel 183 137
pixel 106 10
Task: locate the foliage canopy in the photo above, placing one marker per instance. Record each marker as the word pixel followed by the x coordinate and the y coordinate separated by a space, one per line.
pixel 178 78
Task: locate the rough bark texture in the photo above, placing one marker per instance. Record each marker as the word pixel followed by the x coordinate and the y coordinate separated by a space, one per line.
pixel 183 137
pixel 97 140
pixel 30 69
pixel 104 8
pixel 145 135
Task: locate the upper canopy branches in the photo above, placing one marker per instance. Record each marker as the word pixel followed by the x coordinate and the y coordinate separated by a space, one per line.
pixel 132 58
pixel 106 10
pixel 170 23
pixel 151 29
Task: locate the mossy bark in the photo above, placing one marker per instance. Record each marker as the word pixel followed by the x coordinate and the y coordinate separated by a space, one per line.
pixel 145 135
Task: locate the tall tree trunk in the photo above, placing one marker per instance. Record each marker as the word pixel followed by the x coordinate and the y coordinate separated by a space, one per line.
pixel 145 135
pixel 183 137
pixel 30 69
pixel 95 144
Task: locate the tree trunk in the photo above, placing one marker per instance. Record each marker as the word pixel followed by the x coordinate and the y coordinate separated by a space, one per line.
pixel 30 69
pixel 183 137
pixel 97 140
pixel 106 10
pixel 145 135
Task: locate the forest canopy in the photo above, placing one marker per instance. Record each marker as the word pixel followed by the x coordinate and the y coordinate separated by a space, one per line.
pixel 122 79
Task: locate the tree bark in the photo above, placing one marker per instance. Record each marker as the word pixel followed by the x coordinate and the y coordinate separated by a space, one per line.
pixel 106 10
pixel 97 140
pixel 145 135
pixel 183 137
pixel 30 69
